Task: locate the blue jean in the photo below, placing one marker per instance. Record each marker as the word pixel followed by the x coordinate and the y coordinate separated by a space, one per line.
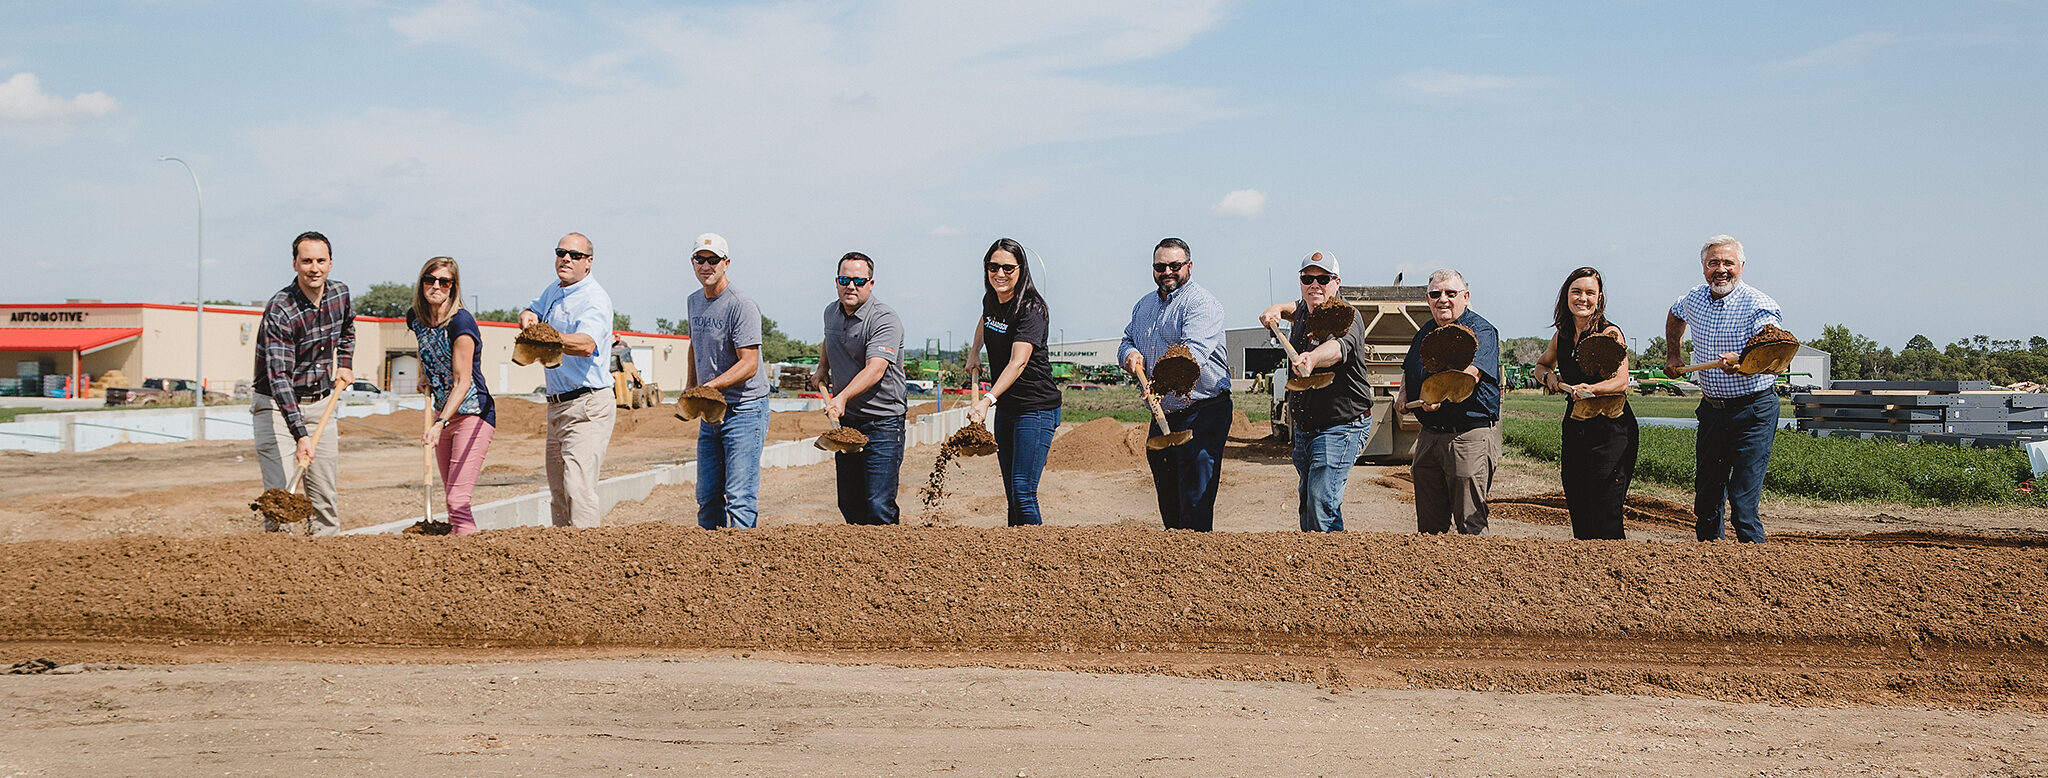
pixel 1734 449
pixel 867 480
pixel 729 466
pixel 1186 477
pixel 1022 440
pixel 1323 459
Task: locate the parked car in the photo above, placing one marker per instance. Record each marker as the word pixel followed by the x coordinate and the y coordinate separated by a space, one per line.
pixel 361 392
pixel 160 391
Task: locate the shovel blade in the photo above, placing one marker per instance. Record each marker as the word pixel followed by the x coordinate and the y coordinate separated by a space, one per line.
pixel 1305 383
pixel 839 447
pixel 1169 440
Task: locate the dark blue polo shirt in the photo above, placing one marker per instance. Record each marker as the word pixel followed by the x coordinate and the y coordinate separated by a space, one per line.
pixel 1483 407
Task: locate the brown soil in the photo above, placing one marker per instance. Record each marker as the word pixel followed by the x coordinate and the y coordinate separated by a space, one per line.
pixel 1864 624
pixel 1176 372
pixel 1600 354
pixel 1331 319
pixel 1448 348
pixel 283 507
pixel 539 333
pixel 1100 445
pixel 845 436
pixel 701 402
pixel 425 527
pixel 972 440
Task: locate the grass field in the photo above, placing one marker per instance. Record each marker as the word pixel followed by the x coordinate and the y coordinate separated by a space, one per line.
pixel 1538 406
pixel 1832 469
pixel 1121 403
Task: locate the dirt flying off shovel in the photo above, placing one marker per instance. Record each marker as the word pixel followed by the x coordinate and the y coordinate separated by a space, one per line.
pixel 1298 383
pixel 1167 437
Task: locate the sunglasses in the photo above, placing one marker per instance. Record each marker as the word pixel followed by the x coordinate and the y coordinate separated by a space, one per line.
pixel 437 281
pixel 707 260
pixel 575 255
pixel 1316 279
pixel 853 281
pixel 1436 293
pixel 998 267
pixel 1169 267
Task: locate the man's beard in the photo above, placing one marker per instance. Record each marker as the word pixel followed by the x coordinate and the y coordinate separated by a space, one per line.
pixel 1168 283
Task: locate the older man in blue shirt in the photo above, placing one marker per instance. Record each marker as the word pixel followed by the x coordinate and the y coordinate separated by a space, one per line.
pixel 1182 312
pixel 580 408
pixel 1738 414
pixel 1459 446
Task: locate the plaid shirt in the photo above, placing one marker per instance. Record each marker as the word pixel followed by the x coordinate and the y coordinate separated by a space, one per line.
pixel 293 345
pixel 1722 326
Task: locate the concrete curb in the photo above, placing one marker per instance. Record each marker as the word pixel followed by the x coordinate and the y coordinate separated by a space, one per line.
pixel 532 510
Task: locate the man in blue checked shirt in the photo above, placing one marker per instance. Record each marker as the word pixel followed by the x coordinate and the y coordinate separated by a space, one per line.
pixel 1182 312
pixel 1738 414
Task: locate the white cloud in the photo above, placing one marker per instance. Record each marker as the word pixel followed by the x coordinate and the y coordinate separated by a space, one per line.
pixel 947 231
pixel 22 98
pixel 1847 51
pixel 1240 204
pixel 1439 82
pixel 475 21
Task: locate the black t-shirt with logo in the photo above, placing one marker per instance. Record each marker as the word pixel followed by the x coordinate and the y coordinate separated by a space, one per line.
pixel 1348 396
pixel 1000 328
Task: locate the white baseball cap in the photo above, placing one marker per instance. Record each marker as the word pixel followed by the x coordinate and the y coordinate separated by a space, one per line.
pixel 712 242
pixel 1322 259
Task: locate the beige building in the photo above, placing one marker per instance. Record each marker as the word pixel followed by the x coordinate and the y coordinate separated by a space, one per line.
pixel 84 339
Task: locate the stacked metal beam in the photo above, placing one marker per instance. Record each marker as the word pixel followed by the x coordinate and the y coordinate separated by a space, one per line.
pixel 1968 413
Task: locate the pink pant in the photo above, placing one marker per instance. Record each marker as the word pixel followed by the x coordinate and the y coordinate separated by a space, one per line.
pixel 464 442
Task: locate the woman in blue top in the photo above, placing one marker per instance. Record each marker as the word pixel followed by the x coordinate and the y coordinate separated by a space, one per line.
pixel 461 416
pixel 1014 323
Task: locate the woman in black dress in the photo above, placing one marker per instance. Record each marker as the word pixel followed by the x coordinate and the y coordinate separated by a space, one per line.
pixel 1599 455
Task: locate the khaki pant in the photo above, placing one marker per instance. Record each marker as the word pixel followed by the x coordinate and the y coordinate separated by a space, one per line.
pixel 276 450
pixel 579 430
pixel 1453 474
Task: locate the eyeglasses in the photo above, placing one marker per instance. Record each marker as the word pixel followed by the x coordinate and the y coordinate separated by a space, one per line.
pixel 707 260
pixel 1318 279
pixel 437 281
pixel 1436 293
pixel 575 255
pixel 853 281
pixel 1173 267
pixel 998 267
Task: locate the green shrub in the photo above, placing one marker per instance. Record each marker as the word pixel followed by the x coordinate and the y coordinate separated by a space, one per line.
pixel 1833 469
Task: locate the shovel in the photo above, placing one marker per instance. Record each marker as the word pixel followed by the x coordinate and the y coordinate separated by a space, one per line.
pixel 427 481
pixel 296 507
pixel 1299 383
pixel 840 440
pixel 972 439
pixel 1449 386
pixel 1769 351
pixel 1167 437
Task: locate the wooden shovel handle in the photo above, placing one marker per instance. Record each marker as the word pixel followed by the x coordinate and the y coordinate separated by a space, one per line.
pixel 1152 402
pixel 333 399
pixel 1698 367
pixel 1285 345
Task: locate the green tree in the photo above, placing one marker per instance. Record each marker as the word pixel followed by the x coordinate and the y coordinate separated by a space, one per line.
pixel 621 322
pixel 1919 343
pixel 1854 355
pixel 777 346
pixel 388 300
pixel 497 314
pixel 666 327
pixel 1523 351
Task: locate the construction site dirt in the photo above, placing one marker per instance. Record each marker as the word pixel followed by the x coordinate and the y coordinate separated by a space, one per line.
pixel 1904 615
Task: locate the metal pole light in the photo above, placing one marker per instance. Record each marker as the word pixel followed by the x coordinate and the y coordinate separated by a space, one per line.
pixel 198 299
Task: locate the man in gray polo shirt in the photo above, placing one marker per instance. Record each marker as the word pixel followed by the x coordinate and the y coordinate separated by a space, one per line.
pixel 725 354
pixel 862 363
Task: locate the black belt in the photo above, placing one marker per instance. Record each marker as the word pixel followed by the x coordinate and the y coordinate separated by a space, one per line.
pixel 302 396
pixel 1456 429
pixel 1725 403
pixel 571 394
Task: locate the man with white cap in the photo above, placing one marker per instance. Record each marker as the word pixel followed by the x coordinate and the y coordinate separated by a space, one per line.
pixel 725 353
pixel 1329 423
pixel 580 409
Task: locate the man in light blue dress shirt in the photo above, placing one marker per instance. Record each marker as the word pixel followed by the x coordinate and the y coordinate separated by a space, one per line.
pixel 1180 311
pixel 1738 414
pixel 580 409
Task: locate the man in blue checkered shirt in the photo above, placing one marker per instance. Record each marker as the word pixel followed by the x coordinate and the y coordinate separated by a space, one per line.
pixel 1738 414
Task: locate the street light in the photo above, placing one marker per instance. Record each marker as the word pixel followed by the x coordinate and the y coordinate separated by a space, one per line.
pixel 198 302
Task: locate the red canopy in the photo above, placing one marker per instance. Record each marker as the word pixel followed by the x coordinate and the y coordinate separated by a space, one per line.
pixel 84 340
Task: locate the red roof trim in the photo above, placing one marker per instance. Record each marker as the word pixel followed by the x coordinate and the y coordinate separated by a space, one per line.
pixel 85 339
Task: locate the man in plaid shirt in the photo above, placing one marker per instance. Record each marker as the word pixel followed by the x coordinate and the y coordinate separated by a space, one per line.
pixel 1738 414
pixel 305 346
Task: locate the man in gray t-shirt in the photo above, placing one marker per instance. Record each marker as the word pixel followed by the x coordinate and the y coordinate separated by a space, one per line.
pixel 862 362
pixel 725 354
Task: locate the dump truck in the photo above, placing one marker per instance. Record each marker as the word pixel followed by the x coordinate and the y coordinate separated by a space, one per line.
pixel 1393 314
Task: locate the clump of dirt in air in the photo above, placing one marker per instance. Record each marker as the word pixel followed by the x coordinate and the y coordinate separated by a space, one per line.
pixel 701 402
pixel 283 507
pixel 1177 371
pixel 1331 319
pixel 972 440
pixel 539 333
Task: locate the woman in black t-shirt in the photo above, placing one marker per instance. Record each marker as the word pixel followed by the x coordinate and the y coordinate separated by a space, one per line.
pixel 1014 323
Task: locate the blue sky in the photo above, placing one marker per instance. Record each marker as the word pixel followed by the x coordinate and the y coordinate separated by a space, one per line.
pixel 1883 161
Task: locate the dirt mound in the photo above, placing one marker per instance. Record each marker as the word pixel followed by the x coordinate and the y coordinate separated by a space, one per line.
pixel 283 507
pixel 1101 445
pixel 1941 626
pixel 1636 510
pixel 425 527
pixel 1916 538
